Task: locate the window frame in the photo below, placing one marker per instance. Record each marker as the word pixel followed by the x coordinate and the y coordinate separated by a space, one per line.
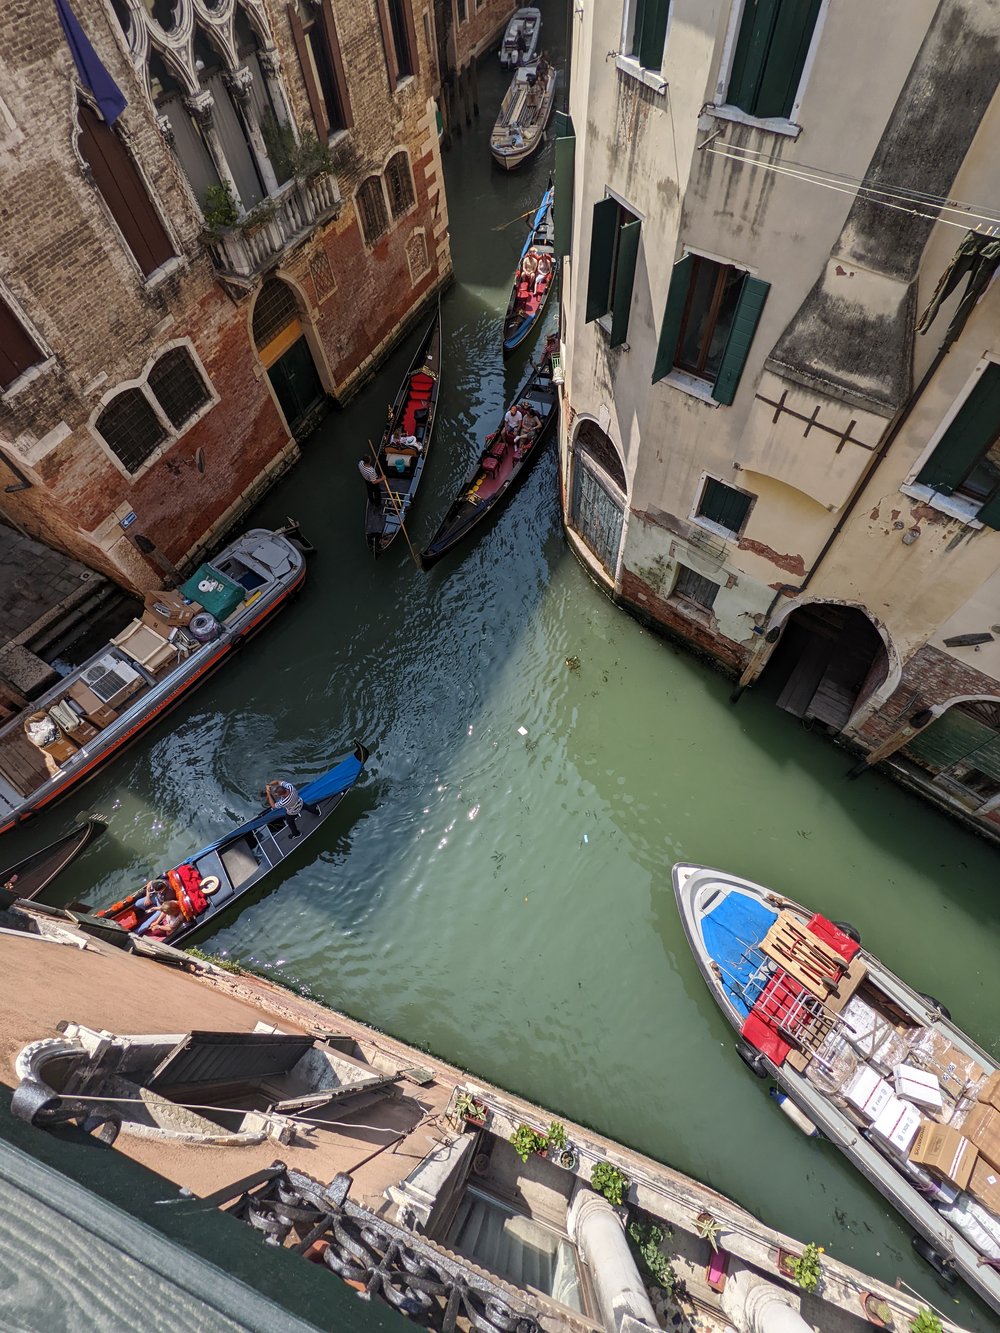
pixel 407 207
pixel 606 320
pixel 709 524
pixel 722 109
pixel 387 211
pixel 687 604
pixel 697 371
pixel 321 28
pixel 46 358
pixel 630 63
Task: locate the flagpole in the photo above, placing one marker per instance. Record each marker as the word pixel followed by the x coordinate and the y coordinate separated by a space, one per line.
pixel 399 515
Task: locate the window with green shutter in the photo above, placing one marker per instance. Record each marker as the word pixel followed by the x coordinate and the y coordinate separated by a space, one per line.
pixel 966 462
pixel 771 48
pixel 646 31
pixel 724 506
pixel 614 251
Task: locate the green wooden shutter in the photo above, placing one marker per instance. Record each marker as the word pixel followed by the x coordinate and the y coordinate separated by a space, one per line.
pixel 621 301
pixel 722 505
pixel 651 33
pixel 969 435
pixel 562 210
pixel 680 281
pixel 752 45
pixel 745 321
pixel 990 513
pixel 602 256
pixel 786 57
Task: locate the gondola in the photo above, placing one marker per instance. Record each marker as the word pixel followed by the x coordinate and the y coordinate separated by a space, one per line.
pixel 32 875
pixel 208 883
pixel 502 466
pixel 401 463
pixel 534 278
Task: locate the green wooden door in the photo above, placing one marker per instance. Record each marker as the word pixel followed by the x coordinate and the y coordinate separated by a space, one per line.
pixel 297 385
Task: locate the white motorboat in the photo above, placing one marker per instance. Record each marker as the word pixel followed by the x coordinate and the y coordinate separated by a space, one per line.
pixel 524 113
pixel 520 41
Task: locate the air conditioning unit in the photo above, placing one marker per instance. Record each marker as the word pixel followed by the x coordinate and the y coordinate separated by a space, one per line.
pixel 112 681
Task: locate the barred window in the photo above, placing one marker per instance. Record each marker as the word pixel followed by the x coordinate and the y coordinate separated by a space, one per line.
pixel 371 209
pixel 178 386
pixel 131 428
pixel 274 310
pixel 400 183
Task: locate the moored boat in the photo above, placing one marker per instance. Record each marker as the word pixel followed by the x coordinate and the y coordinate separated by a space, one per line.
pixel 80 723
pixel 213 879
pixel 406 441
pixel 520 39
pixel 534 277
pixel 503 464
pixel 32 875
pixel 878 1068
pixel 524 113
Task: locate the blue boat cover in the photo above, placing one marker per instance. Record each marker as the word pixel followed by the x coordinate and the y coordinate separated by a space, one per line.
pixel 732 933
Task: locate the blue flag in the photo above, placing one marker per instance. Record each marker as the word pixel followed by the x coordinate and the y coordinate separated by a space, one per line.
pixel 111 101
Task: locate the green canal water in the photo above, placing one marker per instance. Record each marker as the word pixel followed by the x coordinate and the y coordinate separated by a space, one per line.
pixel 497 889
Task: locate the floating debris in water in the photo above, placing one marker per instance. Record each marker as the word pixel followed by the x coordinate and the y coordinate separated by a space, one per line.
pixel 522 731
pixel 573 663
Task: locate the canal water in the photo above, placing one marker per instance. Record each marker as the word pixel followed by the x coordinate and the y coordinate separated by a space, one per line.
pixel 497 889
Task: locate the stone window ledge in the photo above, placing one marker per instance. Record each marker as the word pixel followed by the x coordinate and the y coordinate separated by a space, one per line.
pixel 770 124
pixel 166 270
pixel 690 384
pixel 652 78
pixel 30 375
pixel 709 525
pixel 691 610
pixel 952 505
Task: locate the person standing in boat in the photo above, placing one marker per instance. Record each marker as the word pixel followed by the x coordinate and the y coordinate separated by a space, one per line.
pixel 284 796
pixel 369 472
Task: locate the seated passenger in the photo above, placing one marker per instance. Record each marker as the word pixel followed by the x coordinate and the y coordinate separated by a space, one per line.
pixel 166 921
pixel 401 441
pixel 530 423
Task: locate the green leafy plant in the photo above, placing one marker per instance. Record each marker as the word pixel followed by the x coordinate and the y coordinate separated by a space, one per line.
pixel 306 157
pixel 220 207
pixel 806 1268
pixel 925 1322
pixel 708 1228
pixel 226 964
pixel 557 1134
pixel 469 1108
pixel 526 1141
pixel 646 1237
pixel 610 1182
pixel 312 158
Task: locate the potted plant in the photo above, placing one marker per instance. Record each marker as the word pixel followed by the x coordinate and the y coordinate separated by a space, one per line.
pixel 470 1110
pixel 877 1311
pixel 609 1181
pixel 560 1150
pixel 925 1322
pixel 806 1268
pixel 787 1259
pixel 220 208
pixel 708 1228
pixel 526 1141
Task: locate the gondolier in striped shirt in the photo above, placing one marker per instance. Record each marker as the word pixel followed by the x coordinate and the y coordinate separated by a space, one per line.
pixel 284 796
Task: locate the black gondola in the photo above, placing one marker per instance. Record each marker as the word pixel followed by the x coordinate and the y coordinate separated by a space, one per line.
pixel 534 277
pixel 402 461
pixel 208 883
pixel 503 464
pixel 32 875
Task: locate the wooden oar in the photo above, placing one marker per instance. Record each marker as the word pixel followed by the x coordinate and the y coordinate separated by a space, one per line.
pixel 399 512
pixel 504 225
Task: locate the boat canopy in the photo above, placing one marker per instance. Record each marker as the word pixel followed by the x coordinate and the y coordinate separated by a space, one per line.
pixel 732 933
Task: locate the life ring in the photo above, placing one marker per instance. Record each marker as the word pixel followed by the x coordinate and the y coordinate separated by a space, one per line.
pixel 209 884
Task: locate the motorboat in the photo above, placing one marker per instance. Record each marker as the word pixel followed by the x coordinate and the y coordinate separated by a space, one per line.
pixel 520 39
pixel 534 277
pixel 524 113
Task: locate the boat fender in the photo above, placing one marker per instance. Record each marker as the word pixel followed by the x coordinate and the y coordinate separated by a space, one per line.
pixel 936 1005
pixel 944 1267
pixel 752 1058
pixel 850 931
pixel 796 1116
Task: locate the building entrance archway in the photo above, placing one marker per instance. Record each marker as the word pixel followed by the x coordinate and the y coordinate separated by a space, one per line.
pixel 285 354
pixel 961 751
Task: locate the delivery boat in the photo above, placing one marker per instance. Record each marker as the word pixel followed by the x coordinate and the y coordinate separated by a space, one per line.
pixel 183 634
pixel 879 1068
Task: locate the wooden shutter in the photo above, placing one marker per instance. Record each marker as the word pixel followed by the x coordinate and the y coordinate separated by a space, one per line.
pixel 971 433
pixel 121 187
pixel 786 57
pixel 337 62
pixel 744 326
pixel 621 300
pixel 308 76
pixel 411 35
pixel 680 281
pixel 990 512
pixel 562 211
pixel 652 24
pixel 388 46
pixel 18 352
pixel 752 45
pixel 602 257
pixel 723 505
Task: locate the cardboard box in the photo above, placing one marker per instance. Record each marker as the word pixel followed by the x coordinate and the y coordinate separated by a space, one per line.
pixel 94 709
pixel 919 1086
pixel 864 1089
pixel 954 1068
pixel 990 1091
pixel 984 1185
pixel 897 1124
pixel 982 1126
pixel 170 608
pixel 944 1152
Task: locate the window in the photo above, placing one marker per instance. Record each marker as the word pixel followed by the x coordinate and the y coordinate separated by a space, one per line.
pixel 463 12
pixel 614 246
pixel 771 49
pixel 18 350
pixel 398 39
pixel 131 428
pixel 646 31
pixel 121 187
pixel 724 506
pixel 274 310
pixel 709 323
pixel 315 34
pixel 400 184
pixel 371 209
pixel 597 501
pixel 179 388
pixel 695 588
pixel 966 460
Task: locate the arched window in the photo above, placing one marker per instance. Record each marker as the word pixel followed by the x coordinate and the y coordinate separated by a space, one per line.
pixel 372 210
pixel 179 388
pixel 131 428
pixel 399 183
pixel 597 501
pixel 122 189
pixel 276 308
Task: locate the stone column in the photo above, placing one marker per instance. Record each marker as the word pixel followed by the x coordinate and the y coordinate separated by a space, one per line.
pixel 239 82
pixel 755 1305
pixel 596 1229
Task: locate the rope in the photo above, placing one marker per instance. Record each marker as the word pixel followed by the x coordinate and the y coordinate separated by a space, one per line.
pixel 246 1110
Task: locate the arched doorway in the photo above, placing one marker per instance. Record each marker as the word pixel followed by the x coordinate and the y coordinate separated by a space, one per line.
pixel 961 750
pixel 829 661
pixel 598 497
pixel 284 353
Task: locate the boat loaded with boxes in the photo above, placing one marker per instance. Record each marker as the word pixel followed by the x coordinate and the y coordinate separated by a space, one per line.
pixel 879 1068
pixel 182 635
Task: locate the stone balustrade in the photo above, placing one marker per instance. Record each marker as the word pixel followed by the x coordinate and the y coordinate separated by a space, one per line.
pixel 279 222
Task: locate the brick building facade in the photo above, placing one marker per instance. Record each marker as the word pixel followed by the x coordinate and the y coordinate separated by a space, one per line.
pixel 186 285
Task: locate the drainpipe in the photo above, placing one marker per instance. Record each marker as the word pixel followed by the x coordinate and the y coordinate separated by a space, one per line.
pixel 750 674
pixel 596 1230
pixel 755 1305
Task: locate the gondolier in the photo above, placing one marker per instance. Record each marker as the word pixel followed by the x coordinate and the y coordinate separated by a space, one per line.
pixel 369 472
pixel 285 796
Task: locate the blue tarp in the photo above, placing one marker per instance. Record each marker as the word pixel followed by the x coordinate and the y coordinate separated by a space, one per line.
pixel 110 99
pixel 732 933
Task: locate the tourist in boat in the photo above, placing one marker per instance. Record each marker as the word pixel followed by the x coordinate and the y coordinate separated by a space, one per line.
pixel 155 893
pixel 530 423
pixel 284 796
pixel 165 922
pixel 512 419
pixel 401 441
pixel 543 275
pixel 371 479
